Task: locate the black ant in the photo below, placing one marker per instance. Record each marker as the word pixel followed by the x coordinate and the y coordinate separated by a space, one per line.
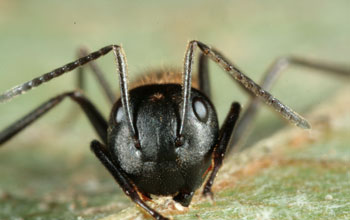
pixel 163 139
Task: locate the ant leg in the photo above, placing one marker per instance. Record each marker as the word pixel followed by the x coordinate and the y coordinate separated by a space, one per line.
pixel 240 77
pixel 80 83
pixel 203 75
pixel 221 146
pixel 95 117
pixel 129 189
pixel 270 77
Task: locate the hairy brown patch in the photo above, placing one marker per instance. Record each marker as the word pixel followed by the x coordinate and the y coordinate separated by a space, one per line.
pixel 162 77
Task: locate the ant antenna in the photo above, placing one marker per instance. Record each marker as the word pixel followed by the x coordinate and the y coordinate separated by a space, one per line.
pixel 186 89
pixel 124 94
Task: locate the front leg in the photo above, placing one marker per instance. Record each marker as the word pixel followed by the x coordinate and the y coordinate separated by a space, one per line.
pixel 129 189
pixel 94 116
pixel 221 146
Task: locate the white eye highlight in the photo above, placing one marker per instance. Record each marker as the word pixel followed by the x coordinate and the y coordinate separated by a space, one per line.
pixel 200 109
pixel 119 115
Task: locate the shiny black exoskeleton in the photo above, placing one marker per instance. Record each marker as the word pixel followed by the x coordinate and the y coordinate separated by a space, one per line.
pixel 163 139
pixel 159 166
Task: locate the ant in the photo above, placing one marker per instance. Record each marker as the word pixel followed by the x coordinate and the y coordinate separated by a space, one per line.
pixel 164 139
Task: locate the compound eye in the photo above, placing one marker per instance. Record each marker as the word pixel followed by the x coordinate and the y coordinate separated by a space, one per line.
pixel 200 109
pixel 119 114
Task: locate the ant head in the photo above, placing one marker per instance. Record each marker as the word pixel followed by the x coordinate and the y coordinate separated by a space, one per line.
pixel 156 112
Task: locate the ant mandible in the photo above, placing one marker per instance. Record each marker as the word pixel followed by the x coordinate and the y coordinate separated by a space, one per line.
pixel 162 139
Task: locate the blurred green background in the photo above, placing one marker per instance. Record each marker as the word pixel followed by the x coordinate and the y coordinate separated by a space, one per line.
pixel 38 36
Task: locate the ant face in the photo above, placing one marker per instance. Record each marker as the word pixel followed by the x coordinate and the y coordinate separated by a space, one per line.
pixel 156 111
